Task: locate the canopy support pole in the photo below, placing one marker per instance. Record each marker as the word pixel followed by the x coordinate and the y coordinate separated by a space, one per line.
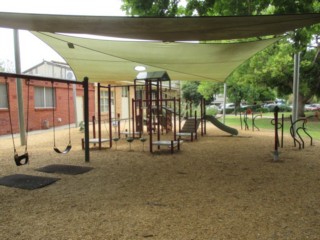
pixel 296 80
pixel 86 118
pixel 224 101
pixel 19 88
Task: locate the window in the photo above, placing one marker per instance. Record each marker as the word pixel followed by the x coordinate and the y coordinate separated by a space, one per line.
pixel 3 96
pixel 43 97
pixel 104 101
pixel 124 92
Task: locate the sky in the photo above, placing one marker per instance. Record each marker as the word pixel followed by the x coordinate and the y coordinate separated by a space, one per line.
pixel 32 50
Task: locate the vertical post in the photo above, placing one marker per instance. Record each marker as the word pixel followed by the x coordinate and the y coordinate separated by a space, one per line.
pixel 296 74
pixel 174 120
pixel 282 128
pixel 204 115
pixel 74 95
pixel 276 136
pixel 202 104
pixel 110 116
pixel 134 113
pixel 195 125
pixel 94 126
pixel 224 102
pixel 158 111
pixel 179 117
pixel 86 118
pixel 99 114
pixel 150 113
pixel 19 88
pixel 141 117
pixel 118 125
pixel 129 112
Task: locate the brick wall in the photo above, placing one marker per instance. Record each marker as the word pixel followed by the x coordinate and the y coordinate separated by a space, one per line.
pixel 41 118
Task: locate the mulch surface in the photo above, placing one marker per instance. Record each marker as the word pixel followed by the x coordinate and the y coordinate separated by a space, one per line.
pixel 217 187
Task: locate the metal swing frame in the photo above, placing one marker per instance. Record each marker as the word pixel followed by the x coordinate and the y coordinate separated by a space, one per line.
pixel 84 84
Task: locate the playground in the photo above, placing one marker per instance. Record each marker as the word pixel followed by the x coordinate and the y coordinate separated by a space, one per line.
pixel 217 187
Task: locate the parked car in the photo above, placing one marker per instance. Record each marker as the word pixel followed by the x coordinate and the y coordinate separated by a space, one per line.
pixel 282 107
pixel 229 108
pixel 312 107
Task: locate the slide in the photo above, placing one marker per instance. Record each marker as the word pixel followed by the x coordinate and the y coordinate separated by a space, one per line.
pixel 220 125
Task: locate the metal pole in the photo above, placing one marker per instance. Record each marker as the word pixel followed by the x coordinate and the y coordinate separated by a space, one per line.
pixel 86 118
pixel 129 112
pixel 174 120
pixel 19 88
pixel 110 115
pixel 224 102
pixel 99 115
pixel 296 74
pixel 276 136
pixel 74 95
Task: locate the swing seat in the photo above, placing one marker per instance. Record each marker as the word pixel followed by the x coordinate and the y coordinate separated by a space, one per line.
pixel 68 148
pixel 21 160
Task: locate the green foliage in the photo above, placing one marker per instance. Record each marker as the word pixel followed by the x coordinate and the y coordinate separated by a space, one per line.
pixel 269 70
pixel 190 92
pixel 208 89
pixel 153 8
pixel 211 111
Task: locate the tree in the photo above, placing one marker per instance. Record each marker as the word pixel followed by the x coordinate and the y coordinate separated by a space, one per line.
pixel 7 66
pixel 275 68
pixel 208 89
pixel 225 7
pixel 159 8
pixel 190 92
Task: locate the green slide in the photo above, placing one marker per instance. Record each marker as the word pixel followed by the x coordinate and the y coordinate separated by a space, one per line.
pixel 220 125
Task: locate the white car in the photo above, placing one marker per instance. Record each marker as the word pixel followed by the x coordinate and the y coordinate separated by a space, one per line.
pixel 229 108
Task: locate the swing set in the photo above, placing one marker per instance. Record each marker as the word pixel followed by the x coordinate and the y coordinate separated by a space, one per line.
pixel 24 158
pixel 69 146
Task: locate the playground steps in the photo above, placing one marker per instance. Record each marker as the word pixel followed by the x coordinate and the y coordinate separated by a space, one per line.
pixel 189 126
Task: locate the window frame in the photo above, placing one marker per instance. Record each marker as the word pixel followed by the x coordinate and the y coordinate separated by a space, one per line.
pixel 104 101
pixel 3 96
pixel 45 102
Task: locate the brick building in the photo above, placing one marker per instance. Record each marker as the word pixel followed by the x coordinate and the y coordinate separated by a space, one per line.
pixel 43 99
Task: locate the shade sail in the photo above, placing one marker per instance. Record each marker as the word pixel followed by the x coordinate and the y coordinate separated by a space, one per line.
pixel 164 29
pixel 105 60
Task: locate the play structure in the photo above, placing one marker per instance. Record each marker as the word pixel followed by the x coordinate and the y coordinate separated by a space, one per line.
pixel 221 126
pixel 159 111
pixel 149 112
pixel 295 129
pixel 244 118
pixel 153 115
pixel 189 130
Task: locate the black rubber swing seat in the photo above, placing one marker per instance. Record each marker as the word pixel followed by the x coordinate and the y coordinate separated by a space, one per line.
pixel 68 148
pixel 21 160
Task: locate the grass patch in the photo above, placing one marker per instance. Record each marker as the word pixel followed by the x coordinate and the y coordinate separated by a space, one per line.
pixel 264 123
